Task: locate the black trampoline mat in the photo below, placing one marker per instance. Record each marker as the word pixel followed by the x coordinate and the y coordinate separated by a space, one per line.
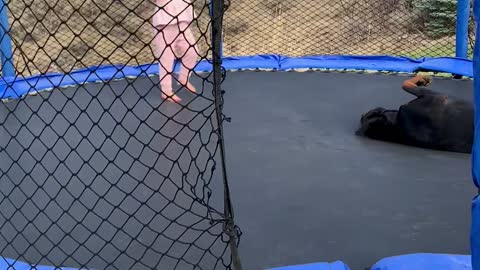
pixel 304 187
pixel 109 176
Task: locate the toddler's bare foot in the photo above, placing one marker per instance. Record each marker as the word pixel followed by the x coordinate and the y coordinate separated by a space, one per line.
pixel 171 98
pixel 189 86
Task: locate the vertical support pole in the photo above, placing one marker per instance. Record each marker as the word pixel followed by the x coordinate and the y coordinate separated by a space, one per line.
pixel 463 15
pixel 221 37
pixel 5 42
pixel 229 228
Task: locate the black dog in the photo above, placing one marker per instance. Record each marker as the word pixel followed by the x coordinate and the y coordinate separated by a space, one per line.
pixel 432 120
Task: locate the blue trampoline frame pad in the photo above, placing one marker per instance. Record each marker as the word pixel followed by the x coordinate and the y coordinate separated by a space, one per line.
pixel 14 87
pixel 425 261
pixel 10 264
pixel 337 265
pixel 415 261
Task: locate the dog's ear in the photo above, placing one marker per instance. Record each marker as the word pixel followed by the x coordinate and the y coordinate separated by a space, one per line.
pixel 370 120
pixel 373 125
pixel 372 114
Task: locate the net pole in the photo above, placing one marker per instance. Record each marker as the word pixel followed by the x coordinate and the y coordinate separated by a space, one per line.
pixel 463 15
pixel 475 162
pixel 8 69
pixel 229 227
pixel 221 36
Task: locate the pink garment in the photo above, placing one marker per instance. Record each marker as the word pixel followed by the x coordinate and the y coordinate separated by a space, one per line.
pixel 175 41
pixel 173 11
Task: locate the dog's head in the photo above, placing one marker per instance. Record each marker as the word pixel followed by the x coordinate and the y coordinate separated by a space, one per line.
pixel 378 123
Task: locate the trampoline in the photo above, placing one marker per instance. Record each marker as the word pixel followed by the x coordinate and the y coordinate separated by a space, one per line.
pixel 97 171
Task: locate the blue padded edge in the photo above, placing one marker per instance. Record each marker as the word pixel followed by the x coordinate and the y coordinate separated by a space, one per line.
pixel 267 61
pixel 457 66
pixel 15 87
pixel 425 261
pixel 475 162
pixel 337 265
pixel 475 233
pixel 383 63
pixel 476 86
pixel 10 264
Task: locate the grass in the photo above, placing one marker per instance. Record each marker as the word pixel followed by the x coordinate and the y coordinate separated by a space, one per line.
pixel 436 50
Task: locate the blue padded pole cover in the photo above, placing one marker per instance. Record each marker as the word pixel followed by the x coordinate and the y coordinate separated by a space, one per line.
pixel 463 15
pixel 475 225
pixel 8 69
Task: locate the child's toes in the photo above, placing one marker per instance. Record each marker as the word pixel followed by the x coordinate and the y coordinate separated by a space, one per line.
pixel 172 98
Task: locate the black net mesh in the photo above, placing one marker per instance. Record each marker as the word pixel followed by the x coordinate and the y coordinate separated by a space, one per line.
pixel 112 174
pixel 65 35
pixel 413 28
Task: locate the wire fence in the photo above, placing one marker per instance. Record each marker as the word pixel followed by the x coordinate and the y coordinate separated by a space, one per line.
pixel 413 28
pixel 115 174
pixel 62 36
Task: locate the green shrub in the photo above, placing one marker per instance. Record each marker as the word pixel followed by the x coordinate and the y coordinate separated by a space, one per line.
pixel 436 18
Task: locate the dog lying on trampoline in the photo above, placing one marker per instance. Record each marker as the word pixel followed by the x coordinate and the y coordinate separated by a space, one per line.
pixel 432 120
